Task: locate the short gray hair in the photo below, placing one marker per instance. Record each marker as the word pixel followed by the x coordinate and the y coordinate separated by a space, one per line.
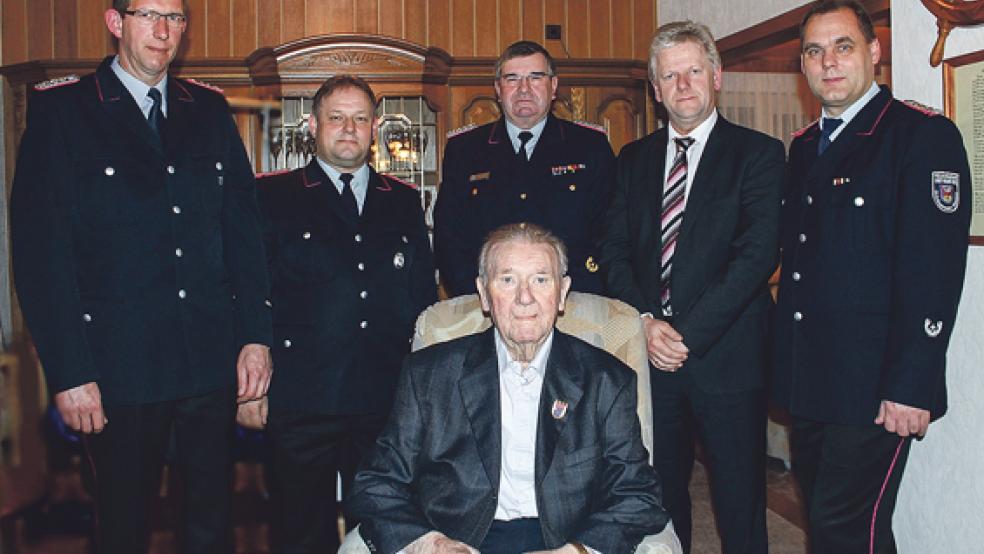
pixel 679 32
pixel 529 233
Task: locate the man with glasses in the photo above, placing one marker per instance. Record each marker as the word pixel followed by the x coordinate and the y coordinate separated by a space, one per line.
pixel 140 271
pixel 527 166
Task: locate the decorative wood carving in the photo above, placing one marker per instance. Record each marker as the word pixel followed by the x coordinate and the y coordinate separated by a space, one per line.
pixel 950 14
pixel 481 110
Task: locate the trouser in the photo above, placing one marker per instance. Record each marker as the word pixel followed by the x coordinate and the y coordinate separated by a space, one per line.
pixel 731 427
pixel 513 536
pixel 850 476
pixel 123 467
pixel 309 452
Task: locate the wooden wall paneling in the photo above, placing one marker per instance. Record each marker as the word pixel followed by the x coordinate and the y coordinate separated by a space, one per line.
pixel 487 28
pixel 66 21
pixel 644 27
pixel 244 27
pixel 463 27
pixel 439 24
pixel 621 29
pixel 575 32
pixel 533 19
pixel 40 37
pixel 14 31
pixel 600 30
pixel 619 116
pixel 93 36
pixel 218 31
pixel 269 20
pixel 294 17
pixel 366 17
pixel 553 12
pixel 318 16
pixel 194 45
pixel 415 21
pixel 391 18
pixel 510 23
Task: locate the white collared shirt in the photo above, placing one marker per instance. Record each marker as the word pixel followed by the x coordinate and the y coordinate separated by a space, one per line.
pixel 359 184
pixel 847 115
pixel 513 132
pixel 519 397
pixel 700 135
pixel 138 89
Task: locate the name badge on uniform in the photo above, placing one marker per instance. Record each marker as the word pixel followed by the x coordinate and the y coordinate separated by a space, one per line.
pixel 566 169
pixel 559 409
pixel 946 191
pixel 483 176
pixel 398 260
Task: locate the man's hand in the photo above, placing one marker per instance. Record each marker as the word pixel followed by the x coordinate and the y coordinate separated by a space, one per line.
pixel 435 542
pixel 253 371
pixel 81 408
pixel 664 344
pixel 252 414
pixel 902 420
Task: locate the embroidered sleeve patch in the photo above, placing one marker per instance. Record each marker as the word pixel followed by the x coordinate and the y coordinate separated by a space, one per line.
pixel 946 191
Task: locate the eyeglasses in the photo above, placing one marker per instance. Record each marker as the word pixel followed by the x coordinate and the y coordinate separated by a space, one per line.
pixel 534 78
pixel 151 17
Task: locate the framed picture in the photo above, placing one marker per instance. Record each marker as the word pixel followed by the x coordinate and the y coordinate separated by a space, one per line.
pixel 963 102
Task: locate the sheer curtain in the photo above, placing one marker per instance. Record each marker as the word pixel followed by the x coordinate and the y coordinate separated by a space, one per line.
pixel 775 103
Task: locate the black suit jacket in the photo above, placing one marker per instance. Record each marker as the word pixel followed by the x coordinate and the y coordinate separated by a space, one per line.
pixel 139 265
pixel 873 262
pixel 436 466
pixel 564 187
pixel 726 250
pixel 346 290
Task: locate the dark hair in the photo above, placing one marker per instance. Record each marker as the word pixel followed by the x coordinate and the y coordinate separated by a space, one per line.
pixel 341 82
pixel 522 49
pixel 827 6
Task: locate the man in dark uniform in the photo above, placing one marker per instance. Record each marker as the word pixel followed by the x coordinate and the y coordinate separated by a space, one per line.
pixel 874 242
pixel 138 256
pixel 351 268
pixel 528 166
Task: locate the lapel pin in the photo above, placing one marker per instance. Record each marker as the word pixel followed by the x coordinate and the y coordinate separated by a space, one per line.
pixel 398 260
pixel 933 328
pixel 559 409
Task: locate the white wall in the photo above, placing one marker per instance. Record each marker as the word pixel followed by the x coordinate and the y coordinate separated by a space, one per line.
pixel 939 507
pixel 724 17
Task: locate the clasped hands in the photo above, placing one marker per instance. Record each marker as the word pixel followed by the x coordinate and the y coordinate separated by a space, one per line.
pixel 664 344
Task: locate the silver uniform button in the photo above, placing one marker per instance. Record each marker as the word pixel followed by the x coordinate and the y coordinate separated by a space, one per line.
pixel 110 171
pixel 364 294
pixel 859 201
pixel 178 252
pixel 287 343
pixel 176 209
pixel 802 237
pixel 182 294
pixel 796 276
pixel 797 316
pixel 361 266
pixel 809 200
pixel 364 324
pixel 170 169
pixel 405 240
pixel 86 318
pixel 218 165
pixel 306 235
pixel 358 238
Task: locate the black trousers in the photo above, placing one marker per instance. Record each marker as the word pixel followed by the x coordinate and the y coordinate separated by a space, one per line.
pixel 309 452
pixel 513 536
pixel 123 469
pixel 731 426
pixel 850 476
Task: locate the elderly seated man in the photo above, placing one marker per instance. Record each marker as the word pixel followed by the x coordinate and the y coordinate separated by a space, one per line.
pixel 517 439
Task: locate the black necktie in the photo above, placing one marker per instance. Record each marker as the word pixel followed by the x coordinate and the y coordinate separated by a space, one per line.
pixel 156 116
pixel 348 197
pixel 830 124
pixel 524 137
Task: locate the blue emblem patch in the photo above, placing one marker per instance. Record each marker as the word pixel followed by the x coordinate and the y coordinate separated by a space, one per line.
pixel 946 191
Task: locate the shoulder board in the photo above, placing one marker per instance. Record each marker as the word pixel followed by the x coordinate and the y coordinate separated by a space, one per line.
pixel 212 88
pixel 273 173
pixel 923 108
pixel 461 130
pixel 400 181
pixel 57 82
pixel 799 132
pixel 593 126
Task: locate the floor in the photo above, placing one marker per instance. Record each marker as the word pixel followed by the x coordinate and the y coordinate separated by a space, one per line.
pixel 48 529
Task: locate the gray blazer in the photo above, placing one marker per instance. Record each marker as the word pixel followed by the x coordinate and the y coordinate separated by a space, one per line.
pixel 436 465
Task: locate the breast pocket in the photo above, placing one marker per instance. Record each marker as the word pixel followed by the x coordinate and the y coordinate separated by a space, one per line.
pixel 207 175
pixel 116 192
pixel 307 255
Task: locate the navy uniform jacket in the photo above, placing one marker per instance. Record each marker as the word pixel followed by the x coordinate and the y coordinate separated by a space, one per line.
pixel 346 290
pixel 564 187
pixel 138 266
pixel 874 239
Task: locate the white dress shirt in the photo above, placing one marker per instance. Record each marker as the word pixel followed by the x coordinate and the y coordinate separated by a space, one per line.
pixel 138 89
pixel 359 184
pixel 513 132
pixel 700 135
pixel 847 115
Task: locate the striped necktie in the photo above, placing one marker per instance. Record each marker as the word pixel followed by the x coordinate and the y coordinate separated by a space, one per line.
pixel 673 195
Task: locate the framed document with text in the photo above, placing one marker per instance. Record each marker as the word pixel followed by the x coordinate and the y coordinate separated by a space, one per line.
pixel 963 102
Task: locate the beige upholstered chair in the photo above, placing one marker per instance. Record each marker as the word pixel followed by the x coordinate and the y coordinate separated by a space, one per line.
pixel 604 322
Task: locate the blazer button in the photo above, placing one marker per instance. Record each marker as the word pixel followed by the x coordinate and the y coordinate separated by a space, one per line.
pixel 110 171
pixel 809 200
pixel 797 316
pixel 287 343
pixel 796 276
pixel 182 294
pixel 361 266
pixel 364 294
pixel 522 196
pixel 859 201
pixel 358 238
pixel 176 209
pixel 170 169
pixel 86 318
pixel 306 235
pixel 218 166
pixel 802 237
pixel 364 324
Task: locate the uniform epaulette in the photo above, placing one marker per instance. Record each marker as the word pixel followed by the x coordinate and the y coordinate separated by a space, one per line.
pixel 923 108
pixel 272 173
pixel 398 180
pixel 212 88
pixel 799 132
pixel 593 126
pixel 57 82
pixel 460 130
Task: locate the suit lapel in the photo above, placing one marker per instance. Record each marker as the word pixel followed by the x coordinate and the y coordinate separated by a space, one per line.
pixel 655 167
pixel 325 193
pixel 180 121
pixel 703 185
pixel 120 105
pixel 480 377
pixel 562 383
pixel 847 143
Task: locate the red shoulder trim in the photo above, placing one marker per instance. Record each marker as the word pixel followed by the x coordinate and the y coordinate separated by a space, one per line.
pixel 799 132
pixel 593 126
pixel 412 186
pixel 272 173
pixel 212 88
pixel 921 108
